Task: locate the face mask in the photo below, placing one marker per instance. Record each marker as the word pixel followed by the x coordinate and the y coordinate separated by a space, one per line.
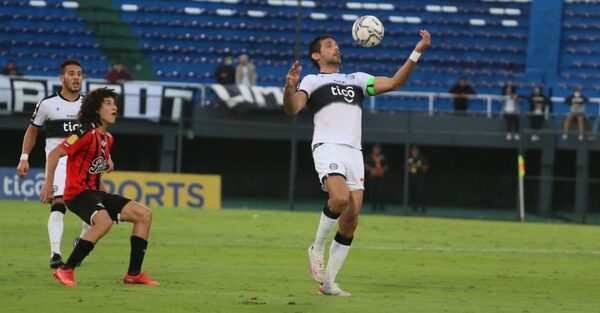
pixel 577 94
pixel 228 62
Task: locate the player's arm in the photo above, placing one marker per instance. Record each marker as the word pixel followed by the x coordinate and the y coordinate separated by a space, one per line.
pixel 293 101
pixel 28 143
pixel 51 164
pixel 384 84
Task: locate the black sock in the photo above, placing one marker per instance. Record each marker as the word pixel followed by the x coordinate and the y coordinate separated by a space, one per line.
pixel 343 240
pixel 332 215
pixel 81 250
pixel 138 250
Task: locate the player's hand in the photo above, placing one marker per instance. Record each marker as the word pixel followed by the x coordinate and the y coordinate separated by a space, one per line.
pixel 293 75
pixel 46 193
pixel 110 165
pixel 425 41
pixel 22 168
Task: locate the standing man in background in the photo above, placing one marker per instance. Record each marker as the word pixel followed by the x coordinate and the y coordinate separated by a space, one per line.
pixel 417 169
pixel 225 72
pixel 462 90
pixel 57 113
pixel 245 73
pixel 376 166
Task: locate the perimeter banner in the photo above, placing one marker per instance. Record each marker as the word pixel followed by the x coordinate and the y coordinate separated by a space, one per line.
pixel 153 101
pixel 151 189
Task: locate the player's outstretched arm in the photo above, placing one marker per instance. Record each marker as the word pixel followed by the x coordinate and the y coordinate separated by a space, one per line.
pixel 51 164
pixel 384 84
pixel 293 101
pixel 28 144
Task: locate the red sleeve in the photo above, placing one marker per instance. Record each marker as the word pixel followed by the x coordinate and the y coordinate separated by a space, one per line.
pixel 73 143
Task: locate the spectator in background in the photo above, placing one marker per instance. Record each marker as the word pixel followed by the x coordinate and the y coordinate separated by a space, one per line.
pixel 537 108
pixel 577 103
pixel 511 111
pixel 118 74
pixel 509 85
pixel 11 69
pixel 417 169
pixel 461 90
pixel 225 72
pixel 376 166
pixel 245 73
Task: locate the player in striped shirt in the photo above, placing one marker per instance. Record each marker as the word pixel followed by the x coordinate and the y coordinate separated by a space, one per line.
pixel 88 149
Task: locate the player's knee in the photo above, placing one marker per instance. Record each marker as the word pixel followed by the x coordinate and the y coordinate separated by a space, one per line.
pixel 146 216
pixel 339 202
pixel 58 207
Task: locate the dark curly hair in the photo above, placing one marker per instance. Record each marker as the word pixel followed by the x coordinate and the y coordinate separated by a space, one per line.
pixel 88 113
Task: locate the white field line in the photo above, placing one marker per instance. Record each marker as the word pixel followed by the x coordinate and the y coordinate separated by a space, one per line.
pixel 402 248
pixel 481 250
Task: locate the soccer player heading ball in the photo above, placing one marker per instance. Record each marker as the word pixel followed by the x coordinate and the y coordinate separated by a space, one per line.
pixel 336 101
pixel 88 149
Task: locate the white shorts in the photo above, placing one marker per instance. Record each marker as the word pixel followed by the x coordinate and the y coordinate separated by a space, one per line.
pixel 60 175
pixel 344 160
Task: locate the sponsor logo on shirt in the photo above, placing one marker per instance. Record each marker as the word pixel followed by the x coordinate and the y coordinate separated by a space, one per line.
pixel 98 166
pixel 347 92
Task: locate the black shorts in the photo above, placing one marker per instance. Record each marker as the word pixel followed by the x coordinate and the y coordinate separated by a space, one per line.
pixel 88 202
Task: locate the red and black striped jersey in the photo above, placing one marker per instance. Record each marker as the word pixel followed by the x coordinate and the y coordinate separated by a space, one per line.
pixel 88 151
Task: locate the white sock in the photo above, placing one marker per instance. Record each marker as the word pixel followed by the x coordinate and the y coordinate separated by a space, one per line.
pixel 84 228
pixel 55 231
pixel 326 224
pixel 337 255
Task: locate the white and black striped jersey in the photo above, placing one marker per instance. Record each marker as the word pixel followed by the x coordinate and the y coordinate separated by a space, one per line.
pixel 58 115
pixel 336 101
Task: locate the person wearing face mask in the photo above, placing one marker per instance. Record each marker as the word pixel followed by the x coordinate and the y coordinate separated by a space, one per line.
pixel 225 72
pixel 577 103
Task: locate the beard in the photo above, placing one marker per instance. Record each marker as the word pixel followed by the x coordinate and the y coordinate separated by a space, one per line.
pixel 74 89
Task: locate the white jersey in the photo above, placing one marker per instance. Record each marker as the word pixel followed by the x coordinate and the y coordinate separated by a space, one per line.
pixel 58 115
pixel 336 101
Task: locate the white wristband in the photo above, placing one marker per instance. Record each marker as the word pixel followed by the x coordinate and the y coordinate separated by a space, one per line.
pixel 414 56
pixel 24 157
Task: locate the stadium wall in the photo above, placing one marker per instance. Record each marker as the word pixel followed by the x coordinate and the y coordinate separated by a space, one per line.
pixel 472 165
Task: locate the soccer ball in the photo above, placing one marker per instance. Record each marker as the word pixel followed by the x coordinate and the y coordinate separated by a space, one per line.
pixel 367 31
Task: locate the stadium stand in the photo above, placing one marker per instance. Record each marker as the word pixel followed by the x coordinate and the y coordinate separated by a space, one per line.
pixel 485 40
pixel 39 35
pixel 580 47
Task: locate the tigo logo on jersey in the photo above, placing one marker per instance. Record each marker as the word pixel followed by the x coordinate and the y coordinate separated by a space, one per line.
pixel 348 93
pixel 70 127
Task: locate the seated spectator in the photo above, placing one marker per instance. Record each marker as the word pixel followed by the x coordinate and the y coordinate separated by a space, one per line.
pixel 225 72
pixel 118 74
pixel 510 111
pixel 577 103
pixel 11 69
pixel 537 108
pixel 245 73
pixel 462 89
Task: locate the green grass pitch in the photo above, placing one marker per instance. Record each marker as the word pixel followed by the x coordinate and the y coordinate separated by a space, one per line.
pixel 255 261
